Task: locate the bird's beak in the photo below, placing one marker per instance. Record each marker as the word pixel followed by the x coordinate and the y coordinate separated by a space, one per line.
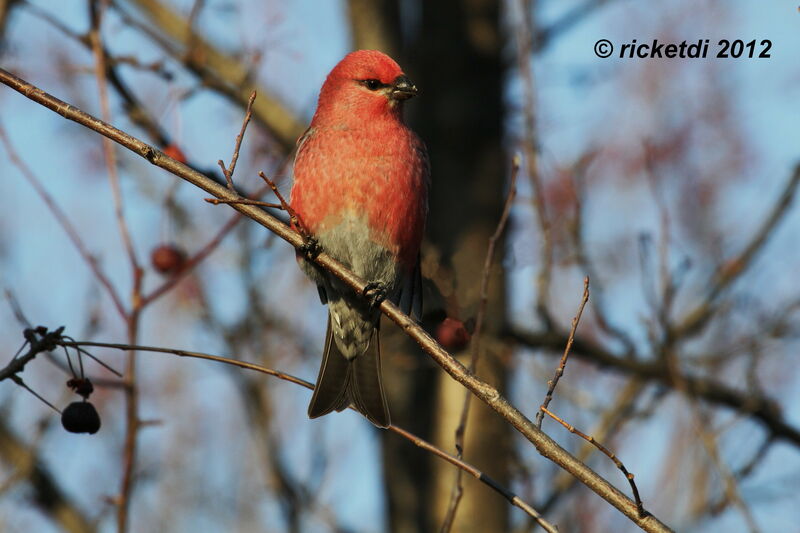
pixel 402 88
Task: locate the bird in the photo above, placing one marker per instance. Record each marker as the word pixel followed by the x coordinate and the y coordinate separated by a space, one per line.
pixel 361 180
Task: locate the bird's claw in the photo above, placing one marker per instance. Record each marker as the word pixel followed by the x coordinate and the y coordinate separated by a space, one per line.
pixel 376 293
pixel 310 247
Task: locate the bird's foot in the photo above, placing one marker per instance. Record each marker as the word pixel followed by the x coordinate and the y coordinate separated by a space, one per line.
pixel 376 293
pixel 310 247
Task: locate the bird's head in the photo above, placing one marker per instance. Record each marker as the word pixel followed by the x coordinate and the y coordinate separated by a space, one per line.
pixel 365 84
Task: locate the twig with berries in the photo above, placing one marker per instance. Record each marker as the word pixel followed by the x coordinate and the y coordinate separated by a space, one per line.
pixel 458 462
pixel 78 417
pixel 38 340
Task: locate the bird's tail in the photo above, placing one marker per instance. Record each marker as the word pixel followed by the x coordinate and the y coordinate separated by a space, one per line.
pixel 358 381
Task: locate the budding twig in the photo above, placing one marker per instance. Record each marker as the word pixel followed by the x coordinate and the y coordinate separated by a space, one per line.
pixel 560 370
pixel 228 172
pixel 609 454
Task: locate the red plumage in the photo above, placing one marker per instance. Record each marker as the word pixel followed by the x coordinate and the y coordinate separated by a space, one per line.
pixel 361 188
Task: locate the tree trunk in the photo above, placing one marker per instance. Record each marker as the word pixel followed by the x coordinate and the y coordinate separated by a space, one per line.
pixel 453 56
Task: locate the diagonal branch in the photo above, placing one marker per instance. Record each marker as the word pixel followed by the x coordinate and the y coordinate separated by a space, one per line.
pixel 217 70
pixel 732 269
pixel 46 493
pixel 553 383
pixel 484 391
pixel 64 222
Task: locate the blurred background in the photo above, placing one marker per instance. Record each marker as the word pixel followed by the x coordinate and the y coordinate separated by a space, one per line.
pixel 670 182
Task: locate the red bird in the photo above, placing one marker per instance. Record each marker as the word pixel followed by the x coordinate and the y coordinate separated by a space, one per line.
pixel 361 188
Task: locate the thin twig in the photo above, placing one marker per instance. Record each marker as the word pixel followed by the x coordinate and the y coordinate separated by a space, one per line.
pixel 97 8
pixel 228 172
pixel 483 390
pixel 243 201
pixel 18 380
pixel 95 359
pixel 283 203
pixel 458 488
pixel 14 303
pixel 612 421
pixel 132 425
pixel 524 30
pixel 584 258
pixel 589 438
pixel 551 385
pixel 417 441
pixel 39 341
pixel 732 269
pixel 294 218
pixel 63 221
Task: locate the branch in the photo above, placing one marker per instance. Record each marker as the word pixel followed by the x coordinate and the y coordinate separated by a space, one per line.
pixel 131 389
pixel 484 391
pixel 39 341
pixel 591 440
pixel 47 495
pixel 96 11
pixel 553 383
pixel 228 172
pixel 759 407
pixel 732 269
pixel 64 222
pixel 417 441
pixel 530 146
pixel 219 71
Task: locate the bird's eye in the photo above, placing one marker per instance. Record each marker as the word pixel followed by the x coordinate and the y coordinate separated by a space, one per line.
pixel 372 84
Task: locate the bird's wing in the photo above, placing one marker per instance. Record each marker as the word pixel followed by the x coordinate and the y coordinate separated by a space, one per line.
pixel 409 299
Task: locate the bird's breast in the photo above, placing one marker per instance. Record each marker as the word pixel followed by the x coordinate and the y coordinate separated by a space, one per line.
pixel 346 178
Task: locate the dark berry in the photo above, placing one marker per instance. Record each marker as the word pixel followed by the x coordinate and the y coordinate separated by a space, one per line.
pixel 80 417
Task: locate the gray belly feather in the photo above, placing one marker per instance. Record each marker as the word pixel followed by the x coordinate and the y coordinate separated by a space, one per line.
pixel 351 319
